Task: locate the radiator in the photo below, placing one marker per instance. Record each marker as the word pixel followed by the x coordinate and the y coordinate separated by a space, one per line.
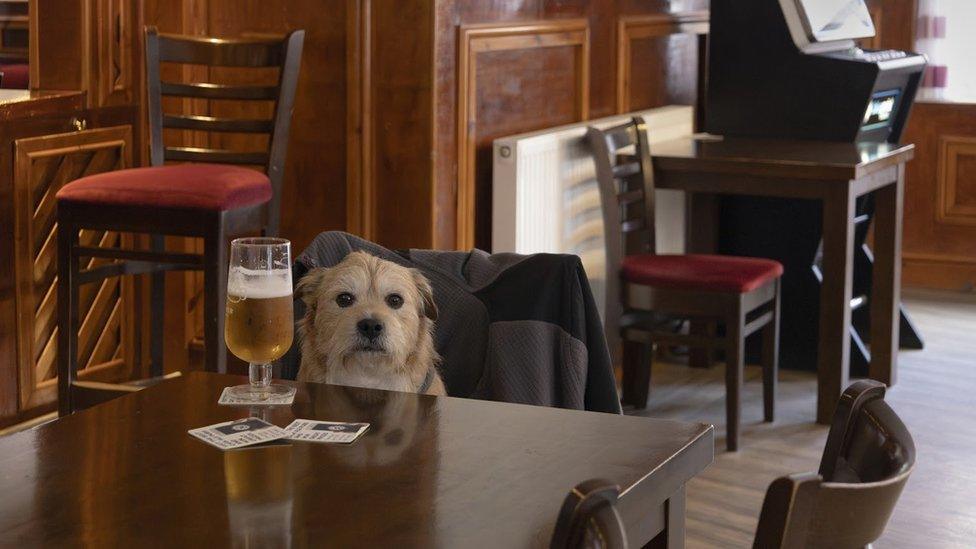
pixel 545 197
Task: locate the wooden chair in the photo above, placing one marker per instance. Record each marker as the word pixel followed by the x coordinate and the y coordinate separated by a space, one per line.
pixel 647 291
pixel 588 518
pixel 866 462
pixel 212 197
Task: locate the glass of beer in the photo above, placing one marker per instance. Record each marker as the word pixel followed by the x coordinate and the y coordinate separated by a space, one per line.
pixel 260 326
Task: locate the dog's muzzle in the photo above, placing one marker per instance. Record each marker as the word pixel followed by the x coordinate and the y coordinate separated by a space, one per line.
pixel 369 328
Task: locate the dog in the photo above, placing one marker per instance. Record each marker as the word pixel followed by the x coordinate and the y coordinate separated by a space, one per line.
pixel 369 323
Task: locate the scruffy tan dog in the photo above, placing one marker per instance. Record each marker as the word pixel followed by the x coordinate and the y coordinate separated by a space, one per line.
pixel 368 323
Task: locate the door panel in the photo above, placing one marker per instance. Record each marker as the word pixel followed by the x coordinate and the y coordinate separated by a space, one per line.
pixel 42 165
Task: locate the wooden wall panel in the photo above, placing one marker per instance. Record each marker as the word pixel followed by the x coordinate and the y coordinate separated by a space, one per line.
pixel 105 349
pixel 955 180
pixel 513 78
pixel 658 60
pixel 940 197
pixel 400 134
pixel 314 196
pixel 602 19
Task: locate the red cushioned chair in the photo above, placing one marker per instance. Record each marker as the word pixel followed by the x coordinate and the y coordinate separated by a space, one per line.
pixel 646 291
pixel 213 197
pixel 14 76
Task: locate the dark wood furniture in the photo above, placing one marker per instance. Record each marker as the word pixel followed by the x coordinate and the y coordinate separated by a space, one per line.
pixel 430 471
pixel 646 291
pixel 46 140
pixel 589 518
pixel 175 205
pixel 835 174
pixel 866 462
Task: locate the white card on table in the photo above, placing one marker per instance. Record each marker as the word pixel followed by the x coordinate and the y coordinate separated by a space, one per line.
pixel 238 433
pixel 229 400
pixel 325 431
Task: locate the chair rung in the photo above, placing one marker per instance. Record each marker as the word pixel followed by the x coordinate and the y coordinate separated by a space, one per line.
pixel 626 170
pixel 757 323
pixel 632 225
pixel 219 156
pixel 131 267
pixel 630 197
pixel 138 255
pixel 620 137
pixel 226 53
pixel 212 124
pixel 205 90
pixel 673 338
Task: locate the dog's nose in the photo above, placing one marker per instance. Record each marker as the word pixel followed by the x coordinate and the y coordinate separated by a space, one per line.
pixel 369 328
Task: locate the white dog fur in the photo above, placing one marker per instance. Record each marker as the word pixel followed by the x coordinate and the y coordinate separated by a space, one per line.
pixel 399 356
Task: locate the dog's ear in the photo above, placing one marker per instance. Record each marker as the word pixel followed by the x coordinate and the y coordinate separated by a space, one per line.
pixel 308 286
pixel 429 308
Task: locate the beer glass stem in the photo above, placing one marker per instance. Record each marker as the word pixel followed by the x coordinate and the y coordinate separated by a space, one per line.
pixel 260 376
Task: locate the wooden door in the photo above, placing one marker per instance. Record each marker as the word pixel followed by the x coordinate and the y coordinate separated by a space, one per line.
pixel 42 165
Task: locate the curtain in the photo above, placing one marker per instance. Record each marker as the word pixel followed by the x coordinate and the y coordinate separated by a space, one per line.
pixel 942 36
pixel 929 39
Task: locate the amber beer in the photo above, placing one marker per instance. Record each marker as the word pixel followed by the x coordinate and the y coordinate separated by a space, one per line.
pixel 259 319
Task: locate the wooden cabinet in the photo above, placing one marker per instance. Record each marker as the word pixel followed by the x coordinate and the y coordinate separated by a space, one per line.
pixel 92 46
pixel 48 141
pixel 42 165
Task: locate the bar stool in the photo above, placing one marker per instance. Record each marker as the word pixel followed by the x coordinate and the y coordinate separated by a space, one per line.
pixel 647 291
pixel 212 197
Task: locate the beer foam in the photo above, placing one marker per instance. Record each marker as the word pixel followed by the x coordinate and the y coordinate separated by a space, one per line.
pixel 259 284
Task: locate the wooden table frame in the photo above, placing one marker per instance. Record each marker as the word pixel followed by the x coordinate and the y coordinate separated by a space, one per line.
pixel 836 174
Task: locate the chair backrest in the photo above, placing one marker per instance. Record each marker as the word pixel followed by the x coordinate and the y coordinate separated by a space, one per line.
pixel 625 175
pixel 255 53
pixel 868 457
pixel 588 518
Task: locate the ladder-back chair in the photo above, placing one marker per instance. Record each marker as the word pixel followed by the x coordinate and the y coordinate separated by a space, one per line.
pixel 209 193
pixel 647 291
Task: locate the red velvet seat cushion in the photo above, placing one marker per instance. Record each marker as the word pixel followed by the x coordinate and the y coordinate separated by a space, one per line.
pixel 194 186
pixel 15 76
pixel 714 273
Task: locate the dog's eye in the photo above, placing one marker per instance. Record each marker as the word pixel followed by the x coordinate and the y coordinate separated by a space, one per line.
pixel 345 299
pixel 395 301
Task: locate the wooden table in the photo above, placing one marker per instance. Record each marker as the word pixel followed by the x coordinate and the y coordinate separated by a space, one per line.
pixel 431 471
pixel 835 174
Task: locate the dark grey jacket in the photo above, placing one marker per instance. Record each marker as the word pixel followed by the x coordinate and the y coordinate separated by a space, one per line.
pixel 510 327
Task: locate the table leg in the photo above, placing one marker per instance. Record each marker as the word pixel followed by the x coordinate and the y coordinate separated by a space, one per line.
pixel 833 348
pixel 886 280
pixel 701 236
pixel 676 520
pixel 701 223
pixel 673 536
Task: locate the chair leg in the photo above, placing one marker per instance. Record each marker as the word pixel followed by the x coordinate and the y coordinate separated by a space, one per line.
pixel 636 373
pixel 770 361
pixel 157 319
pixel 67 314
pixel 701 357
pixel 734 364
pixel 215 297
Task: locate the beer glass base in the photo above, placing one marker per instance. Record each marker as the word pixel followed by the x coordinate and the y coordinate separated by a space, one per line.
pixel 257 395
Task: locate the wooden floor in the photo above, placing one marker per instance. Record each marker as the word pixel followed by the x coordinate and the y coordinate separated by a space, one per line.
pixel 935 395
